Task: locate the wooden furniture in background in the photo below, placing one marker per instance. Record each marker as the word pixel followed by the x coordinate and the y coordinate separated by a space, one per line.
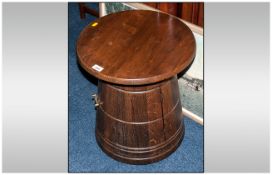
pixel 83 9
pixel 136 55
pixel 191 12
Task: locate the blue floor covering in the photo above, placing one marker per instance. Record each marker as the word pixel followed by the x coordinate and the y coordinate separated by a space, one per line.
pixel 84 153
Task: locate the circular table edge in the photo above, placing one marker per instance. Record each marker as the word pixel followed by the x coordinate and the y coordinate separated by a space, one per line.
pixel 137 81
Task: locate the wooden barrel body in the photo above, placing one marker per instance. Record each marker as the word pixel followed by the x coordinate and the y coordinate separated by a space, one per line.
pixel 139 124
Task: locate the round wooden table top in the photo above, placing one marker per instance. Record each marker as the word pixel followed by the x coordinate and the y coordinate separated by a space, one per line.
pixel 136 47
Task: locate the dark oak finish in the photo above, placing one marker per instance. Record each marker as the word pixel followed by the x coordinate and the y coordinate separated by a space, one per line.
pixel 136 47
pixel 139 114
pixel 141 124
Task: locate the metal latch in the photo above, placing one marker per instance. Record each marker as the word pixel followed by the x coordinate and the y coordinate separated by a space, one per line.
pixel 96 100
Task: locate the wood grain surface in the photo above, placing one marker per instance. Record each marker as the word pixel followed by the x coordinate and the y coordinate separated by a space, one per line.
pixel 139 124
pixel 136 47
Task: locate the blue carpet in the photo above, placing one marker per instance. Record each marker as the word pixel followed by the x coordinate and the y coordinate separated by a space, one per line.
pixel 84 153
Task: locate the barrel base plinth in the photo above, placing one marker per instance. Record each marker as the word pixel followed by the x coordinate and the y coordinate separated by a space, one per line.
pixel 141 124
pixel 141 156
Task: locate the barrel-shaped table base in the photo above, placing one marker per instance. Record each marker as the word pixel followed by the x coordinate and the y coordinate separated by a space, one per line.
pixel 139 124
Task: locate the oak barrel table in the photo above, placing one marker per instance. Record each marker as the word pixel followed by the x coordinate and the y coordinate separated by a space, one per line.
pixel 136 56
